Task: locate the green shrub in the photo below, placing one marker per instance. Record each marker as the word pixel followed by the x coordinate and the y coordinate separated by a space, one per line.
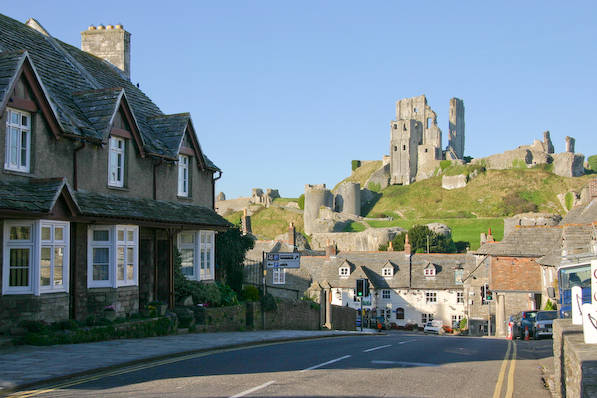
pixel 592 161
pixel 34 326
pixel 301 202
pixel 444 164
pixel 355 164
pixel 268 302
pixel 250 293
pixel 549 306
pixel 515 203
pixel 228 296
pixel 569 200
pixel 463 323
pixel 355 226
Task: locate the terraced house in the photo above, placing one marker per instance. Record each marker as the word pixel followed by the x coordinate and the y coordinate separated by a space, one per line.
pixel 97 185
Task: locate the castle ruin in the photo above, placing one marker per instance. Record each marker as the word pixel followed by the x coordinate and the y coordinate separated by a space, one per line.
pixel 416 139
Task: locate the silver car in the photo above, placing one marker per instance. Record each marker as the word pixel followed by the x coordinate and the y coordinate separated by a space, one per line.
pixel 544 323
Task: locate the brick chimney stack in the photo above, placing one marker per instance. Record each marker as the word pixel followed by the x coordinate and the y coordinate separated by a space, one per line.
pixel 246 223
pixel 490 236
pixel 291 235
pixel 407 248
pixel 330 249
pixel 111 43
pixel 390 246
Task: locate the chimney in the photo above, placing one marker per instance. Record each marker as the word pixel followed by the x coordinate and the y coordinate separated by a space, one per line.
pixel 291 235
pixel 246 223
pixel 111 43
pixel 407 248
pixel 490 236
pixel 390 246
pixel 330 249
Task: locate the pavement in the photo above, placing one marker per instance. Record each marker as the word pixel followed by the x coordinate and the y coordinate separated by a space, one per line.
pixel 24 366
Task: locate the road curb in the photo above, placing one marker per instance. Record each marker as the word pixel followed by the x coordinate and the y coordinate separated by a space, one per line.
pixel 16 388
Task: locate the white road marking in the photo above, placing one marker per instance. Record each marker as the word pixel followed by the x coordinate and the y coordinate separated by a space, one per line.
pixel 247 392
pixel 326 363
pixel 403 363
pixel 377 348
pixel 407 341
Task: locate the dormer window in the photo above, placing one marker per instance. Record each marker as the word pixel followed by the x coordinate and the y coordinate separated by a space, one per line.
pixel 183 175
pixel 116 162
pixel 18 141
pixel 344 272
pixel 387 272
pixel 429 271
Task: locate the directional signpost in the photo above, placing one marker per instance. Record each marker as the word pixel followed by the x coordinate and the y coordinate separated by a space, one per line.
pixel 283 260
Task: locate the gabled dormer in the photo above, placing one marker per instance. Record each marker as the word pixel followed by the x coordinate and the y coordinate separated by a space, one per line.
pixel 344 270
pixel 430 270
pixel 388 270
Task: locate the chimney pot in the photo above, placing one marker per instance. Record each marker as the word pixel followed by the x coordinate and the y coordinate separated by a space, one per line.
pixel 119 26
pixel 110 27
pixel 91 27
pixel 101 27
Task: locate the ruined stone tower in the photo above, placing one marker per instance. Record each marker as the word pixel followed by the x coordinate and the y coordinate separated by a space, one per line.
pixel 415 141
pixel 455 148
pixel 316 196
pixel 111 43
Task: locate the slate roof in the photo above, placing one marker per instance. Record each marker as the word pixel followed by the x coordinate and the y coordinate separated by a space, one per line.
pixel 111 206
pixel 31 196
pixel 66 73
pixel 525 242
pixel 324 270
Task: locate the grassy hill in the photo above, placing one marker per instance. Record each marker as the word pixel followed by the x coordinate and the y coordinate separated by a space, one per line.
pixel 482 204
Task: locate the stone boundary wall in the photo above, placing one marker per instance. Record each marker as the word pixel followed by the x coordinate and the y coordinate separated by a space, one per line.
pixel 298 315
pixel 343 318
pixel 50 307
pixel 575 363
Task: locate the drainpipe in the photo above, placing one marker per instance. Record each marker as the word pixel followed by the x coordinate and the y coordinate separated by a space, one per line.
pixel 75 165
pixel 213 189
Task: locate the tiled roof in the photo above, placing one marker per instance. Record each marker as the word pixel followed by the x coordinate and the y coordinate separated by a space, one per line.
pixel 65 70
pixel 9 64
pixel 99 106
pixel 30 196
pixel 524 242
pixel 445 267
pixel 112 206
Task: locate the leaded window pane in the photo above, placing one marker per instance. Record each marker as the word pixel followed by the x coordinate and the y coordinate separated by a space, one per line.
pixel 20 232
pixel 19 267
pixel 58 265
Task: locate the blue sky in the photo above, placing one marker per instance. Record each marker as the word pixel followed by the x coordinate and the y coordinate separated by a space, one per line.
pixel 284 94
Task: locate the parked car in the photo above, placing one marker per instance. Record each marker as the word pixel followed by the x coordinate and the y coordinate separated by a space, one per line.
pixel 435 327
pixel 520 321
pixel 544 323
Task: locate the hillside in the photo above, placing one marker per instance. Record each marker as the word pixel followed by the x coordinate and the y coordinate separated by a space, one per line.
pixel 482 204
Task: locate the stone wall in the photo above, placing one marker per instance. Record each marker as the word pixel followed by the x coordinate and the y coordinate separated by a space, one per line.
pixel 343 318
pixel 575 363
pixel 454 182
pixel 530 219
pixel 221 319
pixel 368 240
pixel 49 307
pixel 125 300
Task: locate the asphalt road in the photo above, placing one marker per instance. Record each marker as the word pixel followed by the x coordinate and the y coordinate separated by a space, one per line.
pixel 392 365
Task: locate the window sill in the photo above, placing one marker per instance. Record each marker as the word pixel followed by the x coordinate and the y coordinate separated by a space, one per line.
pixel 185 198
pixel 114 187
pixel 17 292
pixel 18 173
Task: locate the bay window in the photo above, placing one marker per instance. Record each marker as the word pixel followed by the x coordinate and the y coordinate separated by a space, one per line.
pixel 113 256
pixel 197 253
pixel 35 257
pixel 18 141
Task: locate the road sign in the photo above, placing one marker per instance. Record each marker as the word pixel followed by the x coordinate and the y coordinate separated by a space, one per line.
pixel 283 260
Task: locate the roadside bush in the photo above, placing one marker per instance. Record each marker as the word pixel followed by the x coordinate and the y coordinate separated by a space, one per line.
pixel 250 293
pixel 549 306
pixel 228 296
pixel 463 323
pixel 34 326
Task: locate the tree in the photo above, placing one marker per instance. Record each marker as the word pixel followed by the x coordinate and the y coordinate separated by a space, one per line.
pixel 231 248
pixel 417 237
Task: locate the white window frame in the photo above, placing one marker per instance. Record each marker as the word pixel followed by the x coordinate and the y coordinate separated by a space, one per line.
pixel 431 297
pixel 116 164
pixel 386 294
pixel 279 277
pixel 203 254
pixel 344 272
pixel 429 271
pixel 22 131
pixel 426 318
pixel 54 243
pixel 113 244
pixel 183 175
pixel 35 244
pixel 189 246
pixel 387 272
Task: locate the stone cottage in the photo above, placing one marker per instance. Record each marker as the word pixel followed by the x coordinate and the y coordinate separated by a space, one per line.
pixel 97 185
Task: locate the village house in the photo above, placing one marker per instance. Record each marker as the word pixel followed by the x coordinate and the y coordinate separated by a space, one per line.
pixel 97 186
pixel 405 288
